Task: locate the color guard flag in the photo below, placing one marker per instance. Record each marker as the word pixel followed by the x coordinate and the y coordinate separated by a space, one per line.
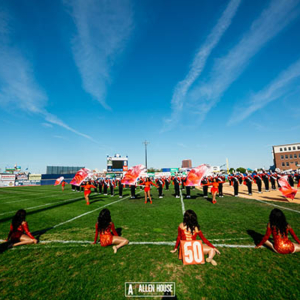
pixel 286 190
pixel 131 176
pixel 195 175
pixel 59 180
pixel 80 176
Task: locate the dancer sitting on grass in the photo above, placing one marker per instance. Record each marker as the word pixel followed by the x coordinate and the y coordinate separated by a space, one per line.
pixel 188 230
pixel 87 191
pixel 104 226
pixel 17 228
pixel 147 185
pixel 279 227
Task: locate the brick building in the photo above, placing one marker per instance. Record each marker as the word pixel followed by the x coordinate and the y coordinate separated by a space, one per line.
pixel 287 156
pixel 186 163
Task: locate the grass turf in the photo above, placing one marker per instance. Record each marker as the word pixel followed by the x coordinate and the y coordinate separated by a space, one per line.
pixel 84 271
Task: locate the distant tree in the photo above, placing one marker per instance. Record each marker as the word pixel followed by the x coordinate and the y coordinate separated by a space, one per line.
pixel 153 170
pixel 231 170
pixel 241 170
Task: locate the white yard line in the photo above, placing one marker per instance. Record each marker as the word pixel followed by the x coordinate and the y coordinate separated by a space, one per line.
pixel 51 196
pixel 182 203
pixel 47 204
pixel 31 194
pixel 89 212
pixel 131 243
pixel 282 207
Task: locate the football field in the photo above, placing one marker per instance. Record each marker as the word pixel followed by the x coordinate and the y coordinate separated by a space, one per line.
pixel 65 265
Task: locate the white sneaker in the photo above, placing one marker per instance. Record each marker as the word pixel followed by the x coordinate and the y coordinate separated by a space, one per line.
pixel 160 196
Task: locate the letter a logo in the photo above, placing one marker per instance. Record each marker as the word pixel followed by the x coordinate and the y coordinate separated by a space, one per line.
pixel 130 291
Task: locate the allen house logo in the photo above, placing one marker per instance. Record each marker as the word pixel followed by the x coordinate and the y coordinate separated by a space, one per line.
pixel 149 289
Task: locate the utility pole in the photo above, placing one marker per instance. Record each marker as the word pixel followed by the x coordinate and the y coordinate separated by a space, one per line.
pixel 146 143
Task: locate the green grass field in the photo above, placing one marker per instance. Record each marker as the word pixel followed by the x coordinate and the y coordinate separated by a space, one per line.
pixel 58 270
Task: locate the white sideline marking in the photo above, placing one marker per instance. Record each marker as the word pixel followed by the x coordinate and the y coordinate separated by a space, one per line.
pixel 231 239
pixel 282 207
pixel 153 243
pixel 47 204
pixel 182 203
pixel 89 212
pixel 35 199
pixel 132 243
pixel 234 246
pixel 20 194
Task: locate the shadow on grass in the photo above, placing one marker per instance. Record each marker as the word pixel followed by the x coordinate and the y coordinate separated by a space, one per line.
pixel 93 199
pixel 119 231
pixel 167 295
pixel 4 246
pixel 96 200
pixel 43 209
pixel 276 198
pixel 257 237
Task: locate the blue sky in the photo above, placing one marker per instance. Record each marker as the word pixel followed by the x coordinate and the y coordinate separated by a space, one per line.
pixel 200 80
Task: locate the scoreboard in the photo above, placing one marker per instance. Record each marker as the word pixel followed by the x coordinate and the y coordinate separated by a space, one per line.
pixel 117 163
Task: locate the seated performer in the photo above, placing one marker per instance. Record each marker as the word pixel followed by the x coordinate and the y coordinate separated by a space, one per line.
pixel 188 230
pixel 147 185
pixel 17 228
pixel 87 191
pixel 279 227
pixel 104 226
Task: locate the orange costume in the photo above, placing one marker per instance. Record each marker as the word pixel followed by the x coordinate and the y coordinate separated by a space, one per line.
pixel 185 235
pixel 87 189
pixel 15 235
pixel 63 184
pixel 215 186
pixel 282 244
pixel 105 237
pixel 147 185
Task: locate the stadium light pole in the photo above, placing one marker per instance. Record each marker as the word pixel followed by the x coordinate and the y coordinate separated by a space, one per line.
pixel 146 143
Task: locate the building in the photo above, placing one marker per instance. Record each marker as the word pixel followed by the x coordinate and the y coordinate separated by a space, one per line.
pixel 62 170
pixel 287 157
pixel 186 163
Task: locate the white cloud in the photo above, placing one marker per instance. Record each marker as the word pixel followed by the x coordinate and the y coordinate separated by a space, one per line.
pixel 103 30
pixel 199 62
pixel 272 92
pixel 226 70
pixel 18 88
pixel 47 125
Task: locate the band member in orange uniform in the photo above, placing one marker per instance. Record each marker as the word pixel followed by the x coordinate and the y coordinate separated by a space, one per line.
pixel 19 233
pixel 63 184
pixel 189 230
pixel 87 191
pixel 279 228
pixel 147 185
pixel 215 188
pixel 108 234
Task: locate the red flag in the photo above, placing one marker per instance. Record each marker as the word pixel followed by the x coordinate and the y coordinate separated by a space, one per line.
pixel 59 180
pixel 80 176
pixel 195 175
pixel 286 190
pixel 132 175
